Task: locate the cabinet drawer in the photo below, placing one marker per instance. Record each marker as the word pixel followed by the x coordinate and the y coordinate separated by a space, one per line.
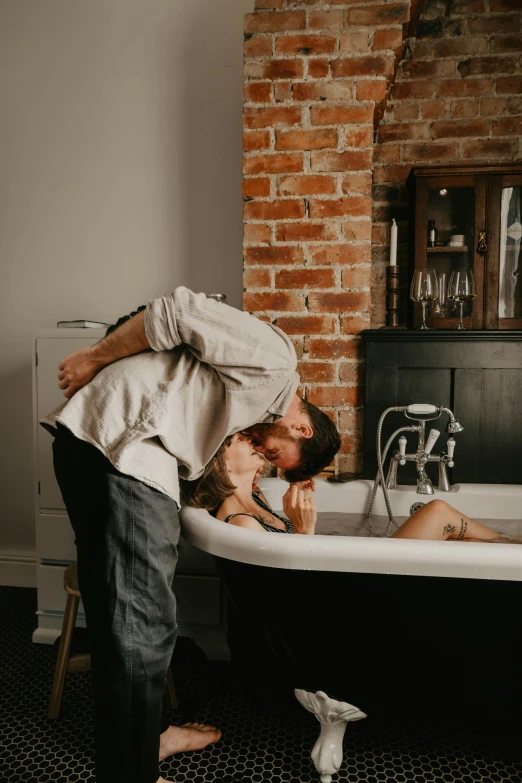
pixel 198 599
pixel 51 593
pixel 55 537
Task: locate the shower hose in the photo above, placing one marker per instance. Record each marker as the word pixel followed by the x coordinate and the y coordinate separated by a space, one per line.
pixel 379 479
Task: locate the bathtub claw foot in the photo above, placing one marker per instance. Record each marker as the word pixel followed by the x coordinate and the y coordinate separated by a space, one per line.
pixel 327 753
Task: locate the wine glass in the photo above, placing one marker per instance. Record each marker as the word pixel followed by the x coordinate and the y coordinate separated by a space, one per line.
pixel 461 288
pixel 424 288
pixel 442 300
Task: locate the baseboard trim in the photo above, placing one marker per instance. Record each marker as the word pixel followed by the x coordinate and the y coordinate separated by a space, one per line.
pixel 17 570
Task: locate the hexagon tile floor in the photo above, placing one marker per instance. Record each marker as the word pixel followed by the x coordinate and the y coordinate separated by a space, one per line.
pixel 258 745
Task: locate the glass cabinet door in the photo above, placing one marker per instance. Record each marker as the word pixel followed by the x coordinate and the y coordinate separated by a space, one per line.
pixel 507 238
pixel 450 216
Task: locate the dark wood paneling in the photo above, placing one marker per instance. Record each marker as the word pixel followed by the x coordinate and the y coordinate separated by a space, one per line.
pixel 501 427
pixel 381 389
pixel 467 399
pixel 476 374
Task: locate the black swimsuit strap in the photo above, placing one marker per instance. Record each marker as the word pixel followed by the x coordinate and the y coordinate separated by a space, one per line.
pixel 264 525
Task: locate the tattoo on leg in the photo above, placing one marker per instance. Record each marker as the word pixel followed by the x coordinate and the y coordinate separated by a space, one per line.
pixel 448 529
pixel 463 528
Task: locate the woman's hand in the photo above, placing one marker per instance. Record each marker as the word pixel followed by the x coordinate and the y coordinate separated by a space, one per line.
pixel 308 484
pixel 77 370
pixel 299 507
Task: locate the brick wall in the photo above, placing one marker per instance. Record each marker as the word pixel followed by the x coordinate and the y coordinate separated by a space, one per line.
pixel 457 98
pixel 319 82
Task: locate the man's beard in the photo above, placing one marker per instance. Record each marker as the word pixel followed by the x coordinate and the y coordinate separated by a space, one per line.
pixel 260 432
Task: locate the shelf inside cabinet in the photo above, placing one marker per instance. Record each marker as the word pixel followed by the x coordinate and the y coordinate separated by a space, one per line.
pixel 448 249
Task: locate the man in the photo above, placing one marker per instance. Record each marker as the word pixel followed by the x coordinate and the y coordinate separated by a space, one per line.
pixel 156 398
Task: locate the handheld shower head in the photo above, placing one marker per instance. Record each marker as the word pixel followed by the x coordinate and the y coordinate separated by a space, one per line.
pixel 454 426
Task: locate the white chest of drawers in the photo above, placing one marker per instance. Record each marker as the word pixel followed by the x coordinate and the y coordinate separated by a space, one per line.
pixel 199 591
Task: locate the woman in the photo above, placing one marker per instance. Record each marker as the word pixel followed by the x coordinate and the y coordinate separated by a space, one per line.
pixel 226 489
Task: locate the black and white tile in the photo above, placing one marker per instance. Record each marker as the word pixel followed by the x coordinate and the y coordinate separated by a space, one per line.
pixel 262 741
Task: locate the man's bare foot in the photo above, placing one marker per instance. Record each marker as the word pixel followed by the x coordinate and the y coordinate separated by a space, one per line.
pixel 190 736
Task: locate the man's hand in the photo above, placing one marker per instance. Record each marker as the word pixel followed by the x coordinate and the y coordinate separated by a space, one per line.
pixel 77 370
pixel 299 507
pixel 81 366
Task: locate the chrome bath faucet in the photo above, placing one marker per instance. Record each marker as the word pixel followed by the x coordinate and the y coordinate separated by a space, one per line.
pixel 423 454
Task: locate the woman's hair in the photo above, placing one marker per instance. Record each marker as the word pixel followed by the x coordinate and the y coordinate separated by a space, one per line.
pixel 123 319
pixel 213 486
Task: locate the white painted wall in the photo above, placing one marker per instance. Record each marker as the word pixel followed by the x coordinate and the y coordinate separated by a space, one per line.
pixel 120 178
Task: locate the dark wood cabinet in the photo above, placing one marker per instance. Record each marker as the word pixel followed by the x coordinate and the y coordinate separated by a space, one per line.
pixel 476 212
pixel 477 374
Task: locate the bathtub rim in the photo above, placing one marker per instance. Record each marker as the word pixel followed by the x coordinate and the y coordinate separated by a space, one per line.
pixel 406 557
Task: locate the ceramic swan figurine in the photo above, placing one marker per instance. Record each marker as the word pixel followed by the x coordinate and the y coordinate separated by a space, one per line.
pixel 327 753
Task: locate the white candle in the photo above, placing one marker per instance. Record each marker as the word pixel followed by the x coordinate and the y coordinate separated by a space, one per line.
pixel 393 244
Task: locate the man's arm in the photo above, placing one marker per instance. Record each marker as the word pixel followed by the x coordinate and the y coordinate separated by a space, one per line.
pixel 245 351
pixel 78 369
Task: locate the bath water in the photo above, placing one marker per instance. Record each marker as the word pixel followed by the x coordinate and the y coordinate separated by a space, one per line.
pixel 337 523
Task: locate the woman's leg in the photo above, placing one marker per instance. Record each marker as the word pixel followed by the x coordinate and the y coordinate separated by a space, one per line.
pixel 438 521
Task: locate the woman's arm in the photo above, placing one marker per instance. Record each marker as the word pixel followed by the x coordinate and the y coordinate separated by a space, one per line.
pixel 299 507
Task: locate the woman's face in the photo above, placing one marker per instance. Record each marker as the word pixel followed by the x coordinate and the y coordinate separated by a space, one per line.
pixel 241 458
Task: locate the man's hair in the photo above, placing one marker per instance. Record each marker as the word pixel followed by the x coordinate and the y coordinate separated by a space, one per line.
pixel 318 451
pixel 213 486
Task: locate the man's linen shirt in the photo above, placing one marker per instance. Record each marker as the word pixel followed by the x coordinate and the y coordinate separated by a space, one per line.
pixel 212 371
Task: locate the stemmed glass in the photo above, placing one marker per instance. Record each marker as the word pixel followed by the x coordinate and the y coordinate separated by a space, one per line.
pixel 424 288
pixel 442 300
pixel 461 288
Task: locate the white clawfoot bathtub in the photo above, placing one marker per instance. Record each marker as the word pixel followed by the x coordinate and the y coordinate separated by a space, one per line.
pixel 343 611
pixel 356 551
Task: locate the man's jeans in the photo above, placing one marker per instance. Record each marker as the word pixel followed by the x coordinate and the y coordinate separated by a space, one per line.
pixel 126 536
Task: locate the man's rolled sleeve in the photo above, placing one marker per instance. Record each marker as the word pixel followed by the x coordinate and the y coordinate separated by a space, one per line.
pixel 160 324
pixel 238 345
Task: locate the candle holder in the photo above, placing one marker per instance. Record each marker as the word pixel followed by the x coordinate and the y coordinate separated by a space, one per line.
pixel 392 297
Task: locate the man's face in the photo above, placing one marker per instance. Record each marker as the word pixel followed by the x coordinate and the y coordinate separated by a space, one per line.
pixel 277 444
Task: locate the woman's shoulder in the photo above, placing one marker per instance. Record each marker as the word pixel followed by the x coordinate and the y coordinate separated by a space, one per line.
pixel 243 520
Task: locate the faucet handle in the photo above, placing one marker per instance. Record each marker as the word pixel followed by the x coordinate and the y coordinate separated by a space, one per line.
pixel 402 449
pixel 432 439
pixel 451 449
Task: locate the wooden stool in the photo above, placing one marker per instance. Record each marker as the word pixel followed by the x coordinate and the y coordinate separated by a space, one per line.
pixel 81 662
